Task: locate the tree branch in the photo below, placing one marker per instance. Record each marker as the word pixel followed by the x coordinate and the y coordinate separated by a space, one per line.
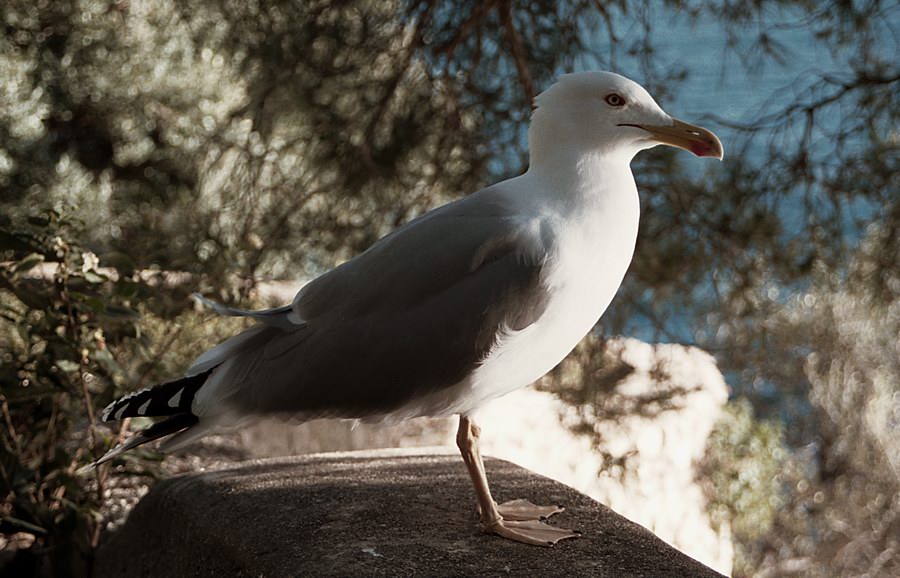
pixel 518 50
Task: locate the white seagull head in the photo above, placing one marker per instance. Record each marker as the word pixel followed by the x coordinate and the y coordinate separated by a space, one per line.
pixel 608 114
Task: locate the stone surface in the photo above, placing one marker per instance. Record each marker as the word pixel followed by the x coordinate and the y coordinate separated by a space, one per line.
pixel 382 513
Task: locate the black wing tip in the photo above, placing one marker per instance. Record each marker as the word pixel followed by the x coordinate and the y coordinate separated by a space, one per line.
pixel 170 398
pixel 115 410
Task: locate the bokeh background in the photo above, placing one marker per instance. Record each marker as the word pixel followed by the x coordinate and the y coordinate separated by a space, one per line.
pixel 150 149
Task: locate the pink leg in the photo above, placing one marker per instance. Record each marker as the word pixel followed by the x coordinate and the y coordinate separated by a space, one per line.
pixel 517 520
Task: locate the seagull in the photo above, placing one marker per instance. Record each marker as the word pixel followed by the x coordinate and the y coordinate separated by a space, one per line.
pixel 466 303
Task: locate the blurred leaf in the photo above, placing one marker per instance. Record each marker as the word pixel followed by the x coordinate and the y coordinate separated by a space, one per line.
pixel 29 297
pixel 14 242
pixel 96 304
pixel 10 525
pixel 40 222
pixel 121 312
pixel 126 287
pixel 122 262
pixel 105 358
pixel 94 277
pixel 29 262
pixel 68 365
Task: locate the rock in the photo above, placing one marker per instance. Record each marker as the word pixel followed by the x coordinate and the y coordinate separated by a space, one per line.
pixel 376 513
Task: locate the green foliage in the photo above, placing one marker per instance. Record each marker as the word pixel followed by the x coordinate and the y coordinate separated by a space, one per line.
pixel 743 474
pixel 62 322
pixel 75 331
pixel 842 515
pixel 829 507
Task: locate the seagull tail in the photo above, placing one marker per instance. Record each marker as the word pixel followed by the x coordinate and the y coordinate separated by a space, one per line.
pixel 168 426
pixel 172 399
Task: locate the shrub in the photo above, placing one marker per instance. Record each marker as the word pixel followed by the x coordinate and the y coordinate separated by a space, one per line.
pixel 71 339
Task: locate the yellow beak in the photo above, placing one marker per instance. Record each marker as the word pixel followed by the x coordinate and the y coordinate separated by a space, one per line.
pixel 699 141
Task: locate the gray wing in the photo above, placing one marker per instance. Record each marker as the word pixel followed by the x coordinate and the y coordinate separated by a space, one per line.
pixel 414 313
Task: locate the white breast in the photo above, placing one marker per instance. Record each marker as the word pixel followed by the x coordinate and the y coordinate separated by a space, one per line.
pixel 593 255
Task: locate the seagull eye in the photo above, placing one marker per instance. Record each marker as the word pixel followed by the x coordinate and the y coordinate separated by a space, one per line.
pixel 615 100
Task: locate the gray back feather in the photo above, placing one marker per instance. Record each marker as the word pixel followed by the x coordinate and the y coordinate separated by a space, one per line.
pixel 416 312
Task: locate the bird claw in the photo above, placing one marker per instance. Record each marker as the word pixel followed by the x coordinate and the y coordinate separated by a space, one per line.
pixel 520 520
pixel 533 532
pixel 523 510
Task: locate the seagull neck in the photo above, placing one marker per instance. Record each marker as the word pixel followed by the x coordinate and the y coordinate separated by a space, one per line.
pixel 583 176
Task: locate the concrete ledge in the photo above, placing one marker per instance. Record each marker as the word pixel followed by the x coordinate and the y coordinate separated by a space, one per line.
pixel 370 513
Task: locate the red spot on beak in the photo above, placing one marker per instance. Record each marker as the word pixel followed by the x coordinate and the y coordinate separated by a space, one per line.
pixel 701 149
